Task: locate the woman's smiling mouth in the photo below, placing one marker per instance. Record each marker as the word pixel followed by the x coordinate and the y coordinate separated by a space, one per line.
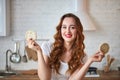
pixel 68 35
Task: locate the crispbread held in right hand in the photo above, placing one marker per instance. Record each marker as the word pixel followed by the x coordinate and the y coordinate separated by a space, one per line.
pixel 31 34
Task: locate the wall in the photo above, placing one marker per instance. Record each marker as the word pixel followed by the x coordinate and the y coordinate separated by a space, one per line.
pixel 42 16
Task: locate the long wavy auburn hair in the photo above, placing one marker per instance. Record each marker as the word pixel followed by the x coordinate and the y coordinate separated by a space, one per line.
pixel 77 47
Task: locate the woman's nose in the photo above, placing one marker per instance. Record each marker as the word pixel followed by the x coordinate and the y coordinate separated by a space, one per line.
pixel 68 30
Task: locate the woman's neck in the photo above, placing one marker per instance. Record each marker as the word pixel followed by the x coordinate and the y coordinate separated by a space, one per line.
pixel 67 54
pixel 68 46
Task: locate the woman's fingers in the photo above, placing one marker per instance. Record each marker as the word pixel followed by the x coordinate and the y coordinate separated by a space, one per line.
pixel 31 43
pixel 98 57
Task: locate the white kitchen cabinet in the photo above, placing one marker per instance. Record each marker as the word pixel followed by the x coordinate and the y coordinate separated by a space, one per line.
pixel 4 17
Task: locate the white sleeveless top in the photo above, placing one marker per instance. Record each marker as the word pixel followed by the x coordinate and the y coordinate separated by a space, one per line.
pixel 46 49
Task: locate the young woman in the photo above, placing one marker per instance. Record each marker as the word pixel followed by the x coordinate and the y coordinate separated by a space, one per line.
pixel 64 59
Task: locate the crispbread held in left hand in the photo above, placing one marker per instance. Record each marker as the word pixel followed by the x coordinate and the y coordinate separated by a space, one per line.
pixel 104 48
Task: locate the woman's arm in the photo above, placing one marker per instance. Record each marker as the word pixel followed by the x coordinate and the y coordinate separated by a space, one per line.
pixel 44 72
pixel 80 73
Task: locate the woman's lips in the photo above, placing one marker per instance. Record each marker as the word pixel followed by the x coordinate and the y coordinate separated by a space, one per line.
pixel 68 35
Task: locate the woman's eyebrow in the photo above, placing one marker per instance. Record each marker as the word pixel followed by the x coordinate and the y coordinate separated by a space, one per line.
pixel 72 25
pixel 69 25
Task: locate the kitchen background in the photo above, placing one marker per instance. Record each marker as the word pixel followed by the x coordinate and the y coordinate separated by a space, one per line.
pixel 42 16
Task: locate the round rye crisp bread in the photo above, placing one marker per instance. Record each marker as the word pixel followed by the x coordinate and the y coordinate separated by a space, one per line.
pixel 104 48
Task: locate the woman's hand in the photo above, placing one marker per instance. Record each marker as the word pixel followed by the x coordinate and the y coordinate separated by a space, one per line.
pixel 97 57
pixel 33 45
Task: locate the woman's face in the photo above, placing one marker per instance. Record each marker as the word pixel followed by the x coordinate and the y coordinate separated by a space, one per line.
pixel 68 29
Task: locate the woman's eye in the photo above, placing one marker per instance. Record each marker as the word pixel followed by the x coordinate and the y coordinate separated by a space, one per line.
pixel 72 27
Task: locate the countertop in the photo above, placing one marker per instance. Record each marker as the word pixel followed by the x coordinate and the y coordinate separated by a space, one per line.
pixel 31 75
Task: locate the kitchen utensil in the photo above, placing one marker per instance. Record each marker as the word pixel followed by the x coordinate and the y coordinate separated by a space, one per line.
pixel 24 57
pixel 108 59
pixel 15 56
pixel 32 54
pixel 109 62
pixel 29 53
